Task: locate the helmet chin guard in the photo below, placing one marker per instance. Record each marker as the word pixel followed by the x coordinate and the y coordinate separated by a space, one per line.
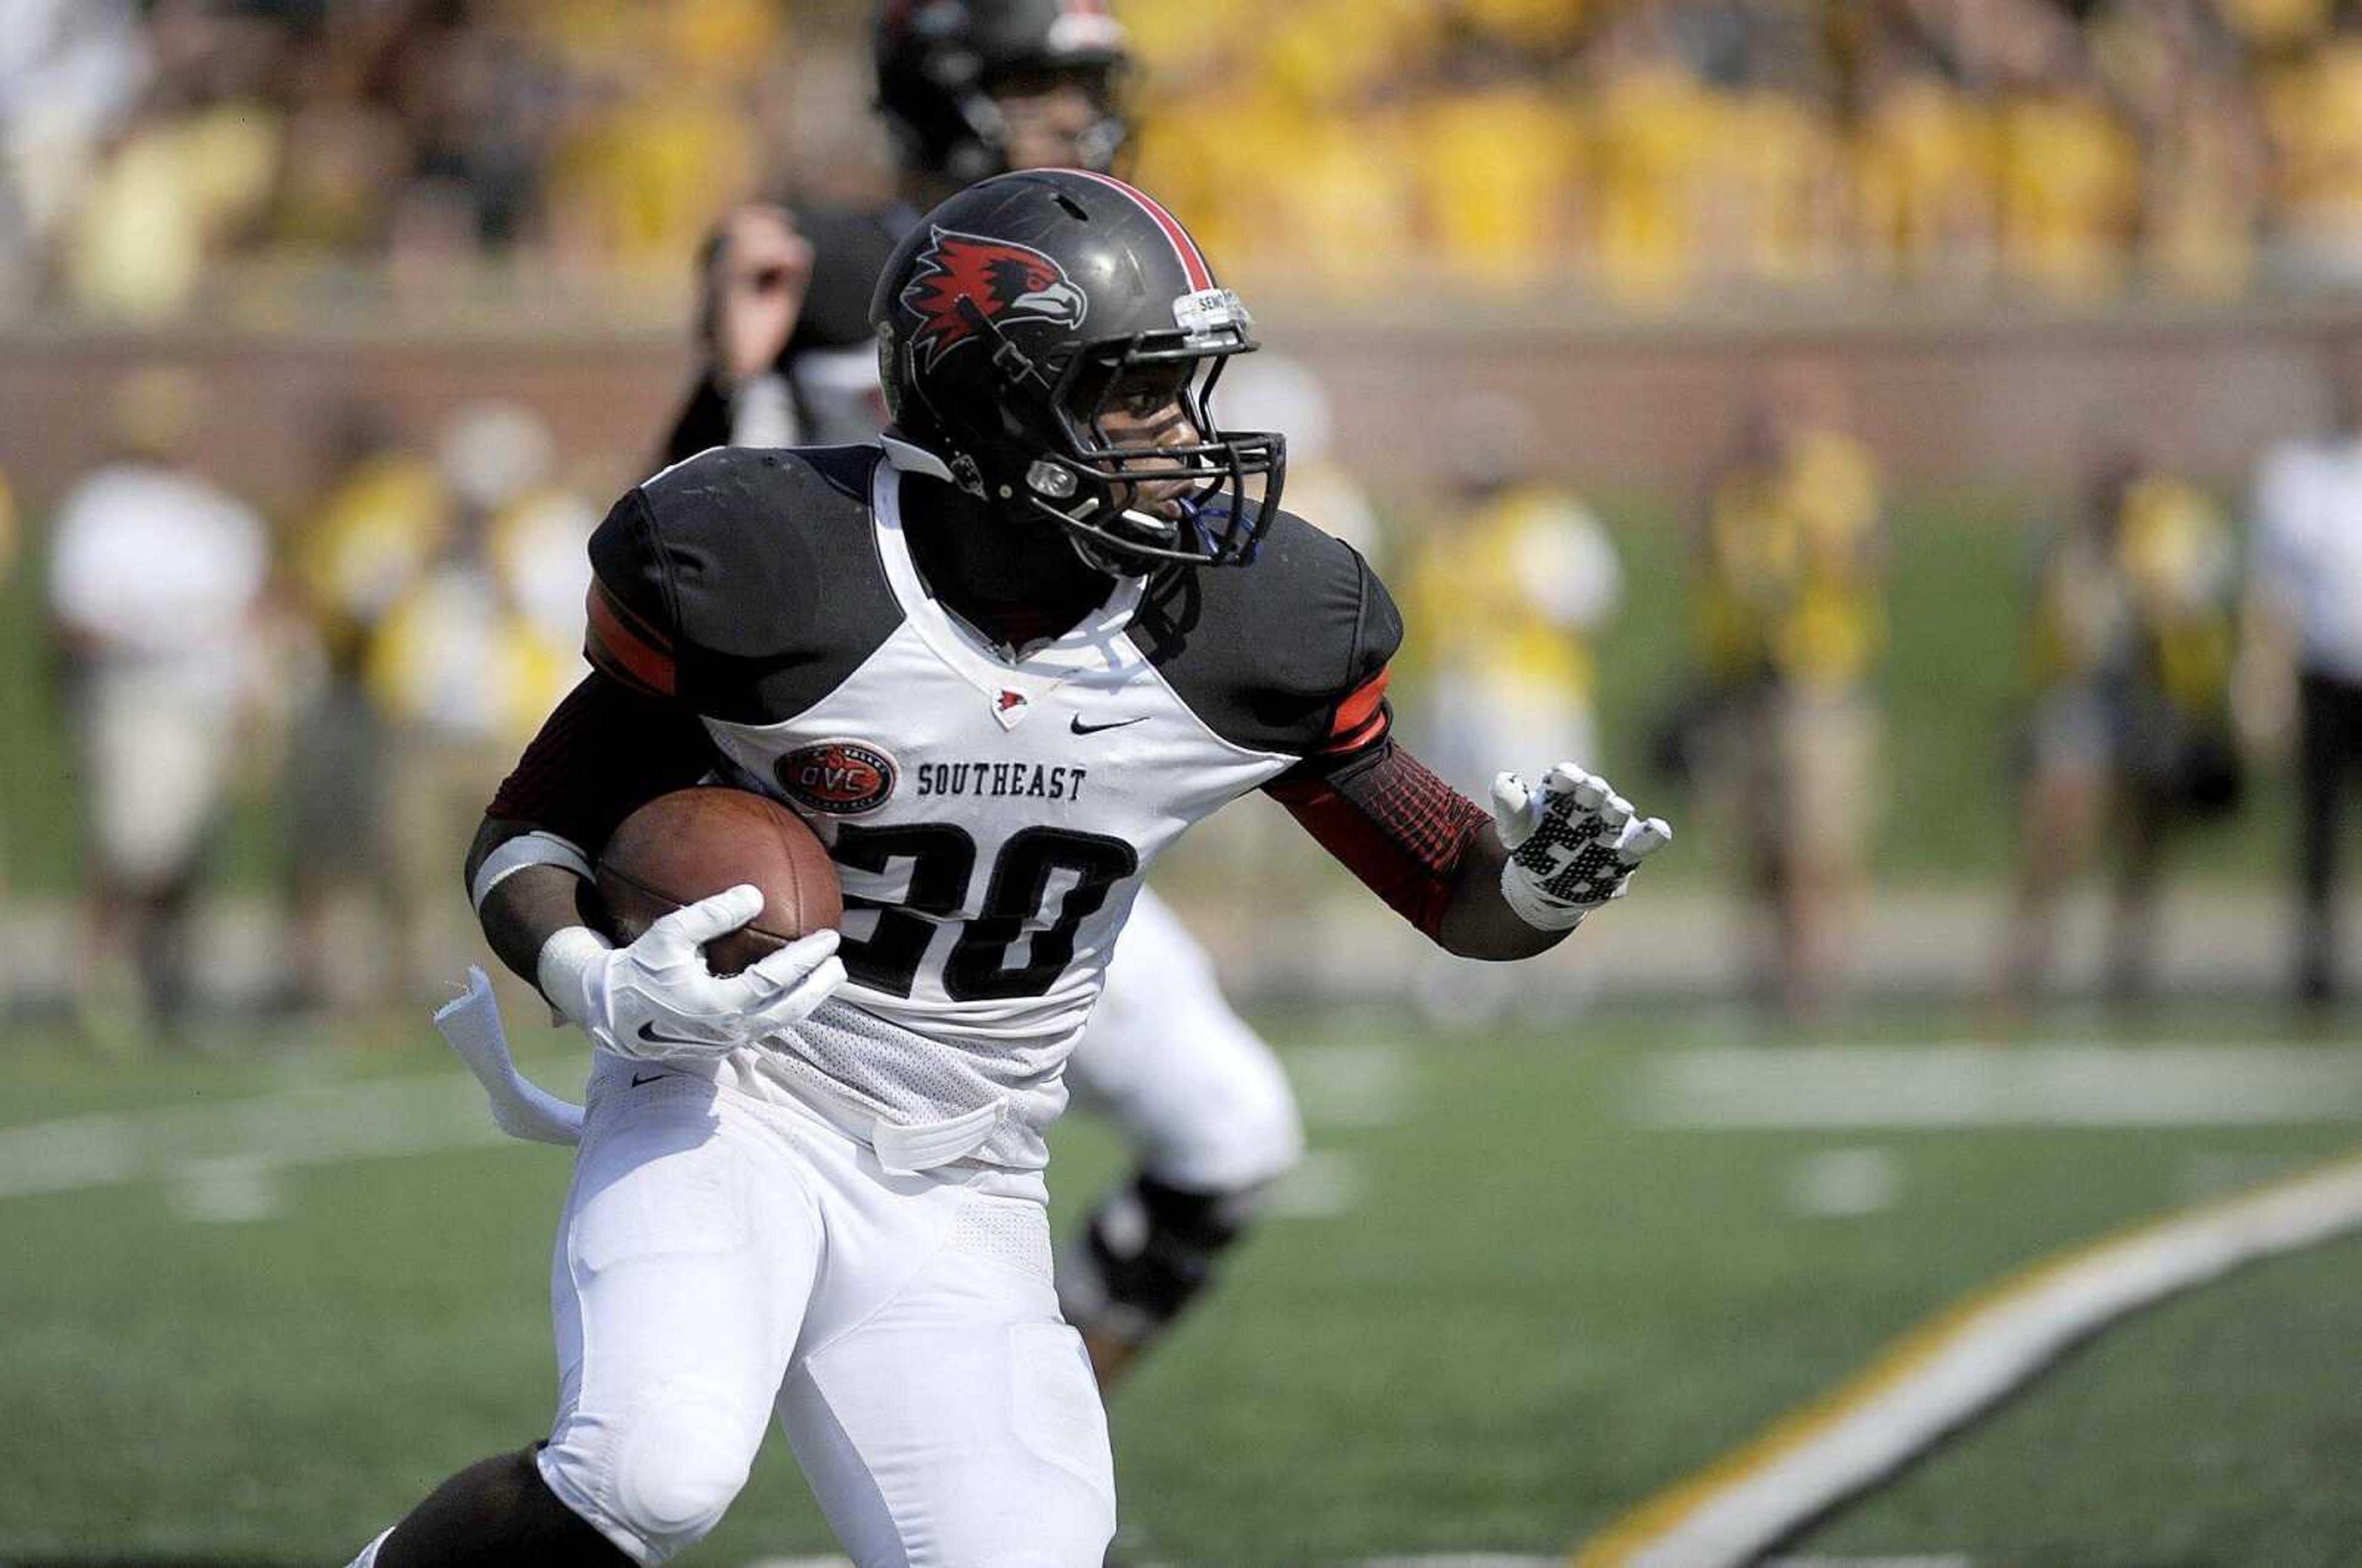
pixel 1054 338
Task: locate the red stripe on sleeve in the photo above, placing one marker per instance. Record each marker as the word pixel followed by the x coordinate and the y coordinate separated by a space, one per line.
pixel 615 645
pixel 1362 716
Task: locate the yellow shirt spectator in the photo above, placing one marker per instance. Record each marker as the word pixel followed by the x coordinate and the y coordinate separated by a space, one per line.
pixel 1332 54
pixel 2272 25
pixel 2149 602
pixel 456 659
pixel 1924 171
pixel 11 534
pixel 2177 554
pixel 644 179
pixel 154 215
pixel 2070 192
pixel 1780 189
pixel 1793 559
pixel 1652 133
pixel 2315 112
pixel 1540 24
pixel 365 546
pixel 1495 170
pixel 1511 593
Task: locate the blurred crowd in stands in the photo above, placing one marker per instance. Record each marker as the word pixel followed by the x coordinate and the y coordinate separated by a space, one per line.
pixel 1638 151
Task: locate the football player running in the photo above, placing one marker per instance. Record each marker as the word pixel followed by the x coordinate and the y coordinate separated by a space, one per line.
pixel 1042 606
pixel 971 88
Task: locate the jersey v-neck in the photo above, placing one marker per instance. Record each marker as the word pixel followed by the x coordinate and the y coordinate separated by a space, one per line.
pixel 1094 643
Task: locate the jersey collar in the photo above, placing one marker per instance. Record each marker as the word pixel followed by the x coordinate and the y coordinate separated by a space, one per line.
pixel 1095 643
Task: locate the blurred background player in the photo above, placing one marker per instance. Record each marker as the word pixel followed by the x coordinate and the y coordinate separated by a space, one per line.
pixel 1794 618
pixel 2305 616
pixel 11 546
pixel 357 552
pixel 156 580
pixel 1520 579
pixel 471 655
pixel 967 90
pixel 2129 736
pixel 1517 578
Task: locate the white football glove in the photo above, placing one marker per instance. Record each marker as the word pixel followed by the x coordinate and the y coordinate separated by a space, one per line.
pixel 1572 844
pixel 658 1001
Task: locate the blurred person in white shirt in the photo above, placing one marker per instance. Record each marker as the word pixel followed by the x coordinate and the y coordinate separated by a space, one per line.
pixel 71 72
pixel 156 580
pixel 2305 620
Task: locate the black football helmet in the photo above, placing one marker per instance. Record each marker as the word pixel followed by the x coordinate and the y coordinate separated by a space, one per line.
pixel 940 61
pixel 1024 315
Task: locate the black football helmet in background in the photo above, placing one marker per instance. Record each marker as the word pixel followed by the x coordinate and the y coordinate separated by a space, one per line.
pixel 940 61
pixel 1022 310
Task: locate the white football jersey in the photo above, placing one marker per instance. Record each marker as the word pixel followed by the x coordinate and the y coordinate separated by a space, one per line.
pixel 992 812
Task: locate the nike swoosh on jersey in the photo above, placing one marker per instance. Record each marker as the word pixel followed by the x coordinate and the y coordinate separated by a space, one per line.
pixel 1080 728
pixel 648 1032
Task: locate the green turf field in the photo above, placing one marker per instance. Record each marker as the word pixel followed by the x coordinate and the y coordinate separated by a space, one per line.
pixel 1498 1312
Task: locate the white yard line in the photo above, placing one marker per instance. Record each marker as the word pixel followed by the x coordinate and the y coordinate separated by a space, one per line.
pixel 225 1143
pixel 1921 1560
pixel 1363 1085
pixel 1843 1184
pixel 1326 1183
pixel 1966 1084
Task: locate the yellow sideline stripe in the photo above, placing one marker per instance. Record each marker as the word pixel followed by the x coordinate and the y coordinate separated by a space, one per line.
pixel 1641 1527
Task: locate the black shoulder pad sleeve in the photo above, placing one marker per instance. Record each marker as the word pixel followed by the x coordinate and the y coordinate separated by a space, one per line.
pixel 744 583
pixel 1286 655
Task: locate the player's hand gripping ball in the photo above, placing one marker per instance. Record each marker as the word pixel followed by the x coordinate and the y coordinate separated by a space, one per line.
pixel 693 844
pixel 726 905
pixel 1574 843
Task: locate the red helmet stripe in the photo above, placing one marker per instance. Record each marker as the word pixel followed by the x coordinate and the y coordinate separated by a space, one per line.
pixel 1192 262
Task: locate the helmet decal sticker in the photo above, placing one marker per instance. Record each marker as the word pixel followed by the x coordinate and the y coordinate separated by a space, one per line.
pixel 1009 283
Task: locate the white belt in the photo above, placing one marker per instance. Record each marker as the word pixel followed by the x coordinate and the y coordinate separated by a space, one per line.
pixel 905 1148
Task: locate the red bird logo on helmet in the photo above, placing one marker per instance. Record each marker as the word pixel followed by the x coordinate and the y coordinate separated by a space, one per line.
pixel 1009 283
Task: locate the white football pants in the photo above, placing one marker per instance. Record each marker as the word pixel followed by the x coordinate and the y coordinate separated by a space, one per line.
pixel 720 1260
pixel 1196 1092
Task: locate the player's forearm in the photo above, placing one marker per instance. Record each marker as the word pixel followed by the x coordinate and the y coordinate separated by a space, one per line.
pixel 1478 922
pixel 1427 850
pixel 522 912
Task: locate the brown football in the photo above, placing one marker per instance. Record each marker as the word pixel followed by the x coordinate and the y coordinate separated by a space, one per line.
pixel 693 844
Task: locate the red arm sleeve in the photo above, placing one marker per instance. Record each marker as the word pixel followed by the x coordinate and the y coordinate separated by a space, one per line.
pixel 1396 825
pixel 605 752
